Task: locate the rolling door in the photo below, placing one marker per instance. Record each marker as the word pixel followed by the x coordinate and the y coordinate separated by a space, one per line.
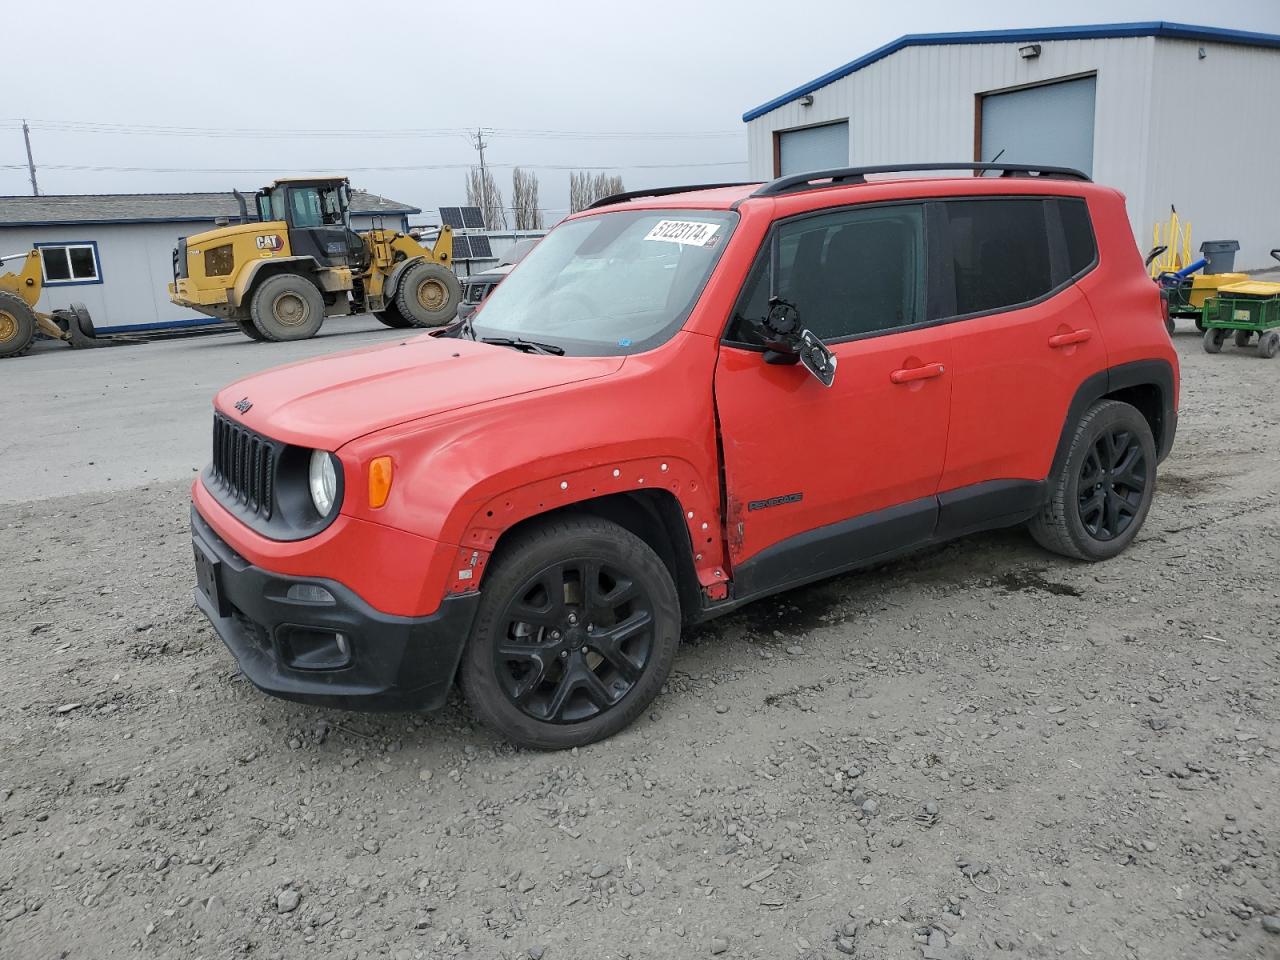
pixel 1050 124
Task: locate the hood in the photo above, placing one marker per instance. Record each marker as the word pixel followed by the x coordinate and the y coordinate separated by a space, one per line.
pixel 331 401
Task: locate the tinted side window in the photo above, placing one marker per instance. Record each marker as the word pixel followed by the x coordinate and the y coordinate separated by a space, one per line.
pixel 850 272
pixel 1001 253
pixel 1081 247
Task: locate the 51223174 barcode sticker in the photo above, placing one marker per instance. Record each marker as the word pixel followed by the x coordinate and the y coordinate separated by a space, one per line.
pixel 691 232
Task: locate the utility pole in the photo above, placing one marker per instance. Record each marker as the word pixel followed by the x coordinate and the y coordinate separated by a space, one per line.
pixel 31 164
pixel 479 143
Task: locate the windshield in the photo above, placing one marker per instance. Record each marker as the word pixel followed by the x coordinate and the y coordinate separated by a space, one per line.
pixel 610 284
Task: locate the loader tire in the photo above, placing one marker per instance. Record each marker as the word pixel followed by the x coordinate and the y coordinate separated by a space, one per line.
pixel 429 295
pixel 287 307
pixel 392 317
pixel 17 325
pixel 248 329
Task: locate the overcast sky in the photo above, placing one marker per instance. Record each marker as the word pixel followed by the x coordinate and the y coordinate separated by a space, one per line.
pixel 655 91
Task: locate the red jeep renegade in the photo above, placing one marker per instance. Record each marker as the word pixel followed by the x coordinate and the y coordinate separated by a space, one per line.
pixel 683 400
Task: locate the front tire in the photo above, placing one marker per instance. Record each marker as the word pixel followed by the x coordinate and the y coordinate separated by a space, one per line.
pixel 17 325
pixel 1100 497
pixel 287 307
pixel 577 629
pixel 428 295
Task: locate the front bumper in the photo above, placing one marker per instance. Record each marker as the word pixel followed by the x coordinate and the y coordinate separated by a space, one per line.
pixel 391 662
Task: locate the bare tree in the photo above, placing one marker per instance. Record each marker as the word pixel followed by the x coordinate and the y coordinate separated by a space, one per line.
pixel 586 188
pixel 524 200
pixel 483 192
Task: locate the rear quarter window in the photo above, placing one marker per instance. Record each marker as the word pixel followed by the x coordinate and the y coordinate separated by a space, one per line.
pixel 1000 250
pixel 1082 248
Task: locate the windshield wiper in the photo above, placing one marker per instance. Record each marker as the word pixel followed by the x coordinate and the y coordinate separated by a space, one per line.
pixel 528 346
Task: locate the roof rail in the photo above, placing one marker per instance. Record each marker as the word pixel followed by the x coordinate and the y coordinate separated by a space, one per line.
pixel 842 175
pixel 664 192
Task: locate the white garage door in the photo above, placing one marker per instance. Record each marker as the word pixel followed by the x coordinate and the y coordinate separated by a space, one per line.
pixel 1051 124
pixel 814 148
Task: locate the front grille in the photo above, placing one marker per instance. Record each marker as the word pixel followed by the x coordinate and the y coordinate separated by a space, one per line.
pixel 244 463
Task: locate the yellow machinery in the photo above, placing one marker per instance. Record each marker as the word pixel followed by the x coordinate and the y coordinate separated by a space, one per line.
pixel 19 319
pixel 280 274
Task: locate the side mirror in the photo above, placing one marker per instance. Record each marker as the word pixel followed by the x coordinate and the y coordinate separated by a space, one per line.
pixel 787 342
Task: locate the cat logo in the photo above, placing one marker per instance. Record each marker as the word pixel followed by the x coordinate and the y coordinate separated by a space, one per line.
pixel 271 242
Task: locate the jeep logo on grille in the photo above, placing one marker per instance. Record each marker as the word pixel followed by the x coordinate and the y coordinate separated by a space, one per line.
pixel 244 404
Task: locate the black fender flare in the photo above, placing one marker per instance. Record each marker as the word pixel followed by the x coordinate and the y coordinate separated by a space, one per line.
pixel 1140 373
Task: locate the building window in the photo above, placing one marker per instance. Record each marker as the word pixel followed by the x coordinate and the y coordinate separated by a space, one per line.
pixel 68 263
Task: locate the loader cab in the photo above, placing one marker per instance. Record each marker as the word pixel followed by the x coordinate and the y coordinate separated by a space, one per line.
pixel 318 214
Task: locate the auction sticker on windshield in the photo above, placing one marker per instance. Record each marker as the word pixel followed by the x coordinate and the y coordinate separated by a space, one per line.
pixel 692 232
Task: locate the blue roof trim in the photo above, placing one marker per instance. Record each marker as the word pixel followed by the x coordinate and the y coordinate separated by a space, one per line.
pixel 1150 28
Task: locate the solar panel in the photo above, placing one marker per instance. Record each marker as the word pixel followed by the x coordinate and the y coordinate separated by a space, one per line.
pixel 481 249
pixel 472 218
pixel 452 217
pixel 462 247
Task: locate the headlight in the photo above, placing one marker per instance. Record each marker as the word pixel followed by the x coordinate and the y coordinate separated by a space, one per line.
pixel 324 480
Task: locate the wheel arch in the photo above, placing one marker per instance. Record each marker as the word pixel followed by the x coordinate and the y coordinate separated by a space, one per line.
pixel 661 500
pixel 1147 385
pixel 259 271
pixel 655 516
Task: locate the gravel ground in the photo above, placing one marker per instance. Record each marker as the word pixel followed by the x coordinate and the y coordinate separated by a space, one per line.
pixel 981 751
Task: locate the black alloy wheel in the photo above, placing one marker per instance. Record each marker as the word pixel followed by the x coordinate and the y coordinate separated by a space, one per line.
pixel 1113 484
pixel 578 637
pixel 575 634
pixel 1099 495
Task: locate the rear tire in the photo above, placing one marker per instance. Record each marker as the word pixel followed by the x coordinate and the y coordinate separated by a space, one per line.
pixel 1268 344
pixel 1214 339
pixel 428 295
pixel 248 329
pixel 287 307
pixel 1242 338
pixel 577 629
pixel 392 317
pixel 1101 495
pixel 17 325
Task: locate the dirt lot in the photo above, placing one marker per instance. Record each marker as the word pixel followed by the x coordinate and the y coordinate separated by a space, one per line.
pixel 983 747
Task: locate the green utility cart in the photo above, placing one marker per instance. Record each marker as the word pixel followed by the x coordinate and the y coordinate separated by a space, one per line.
pixel 1245 312
pixel 1244 309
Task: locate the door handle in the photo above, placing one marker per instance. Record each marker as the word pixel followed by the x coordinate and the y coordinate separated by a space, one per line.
pixel 910 374
pixel 1067 339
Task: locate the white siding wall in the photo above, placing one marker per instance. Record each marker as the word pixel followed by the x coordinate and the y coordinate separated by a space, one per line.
pixel 1169 127
pixel 1214 147
pixel 918 104
pixel 135 263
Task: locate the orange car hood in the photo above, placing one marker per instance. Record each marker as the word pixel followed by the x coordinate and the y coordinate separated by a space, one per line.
pixel 330 401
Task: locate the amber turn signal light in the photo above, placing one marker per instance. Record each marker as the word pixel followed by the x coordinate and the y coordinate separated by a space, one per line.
pixel 379 481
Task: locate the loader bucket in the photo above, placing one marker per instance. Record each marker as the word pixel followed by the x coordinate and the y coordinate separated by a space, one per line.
pixel 77 324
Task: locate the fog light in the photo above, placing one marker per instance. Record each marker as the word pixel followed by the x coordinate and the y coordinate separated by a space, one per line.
pixel 309 593
pixel 314 648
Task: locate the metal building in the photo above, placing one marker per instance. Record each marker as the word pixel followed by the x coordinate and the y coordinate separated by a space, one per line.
pixel 1171 114
pixel 114 252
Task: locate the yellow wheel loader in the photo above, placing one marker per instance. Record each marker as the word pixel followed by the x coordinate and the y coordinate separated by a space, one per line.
pixel 279 274
pixel 19 319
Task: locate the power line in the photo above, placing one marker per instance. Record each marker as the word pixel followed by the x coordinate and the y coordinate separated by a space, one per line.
pixel 100 168
pixel 259 133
